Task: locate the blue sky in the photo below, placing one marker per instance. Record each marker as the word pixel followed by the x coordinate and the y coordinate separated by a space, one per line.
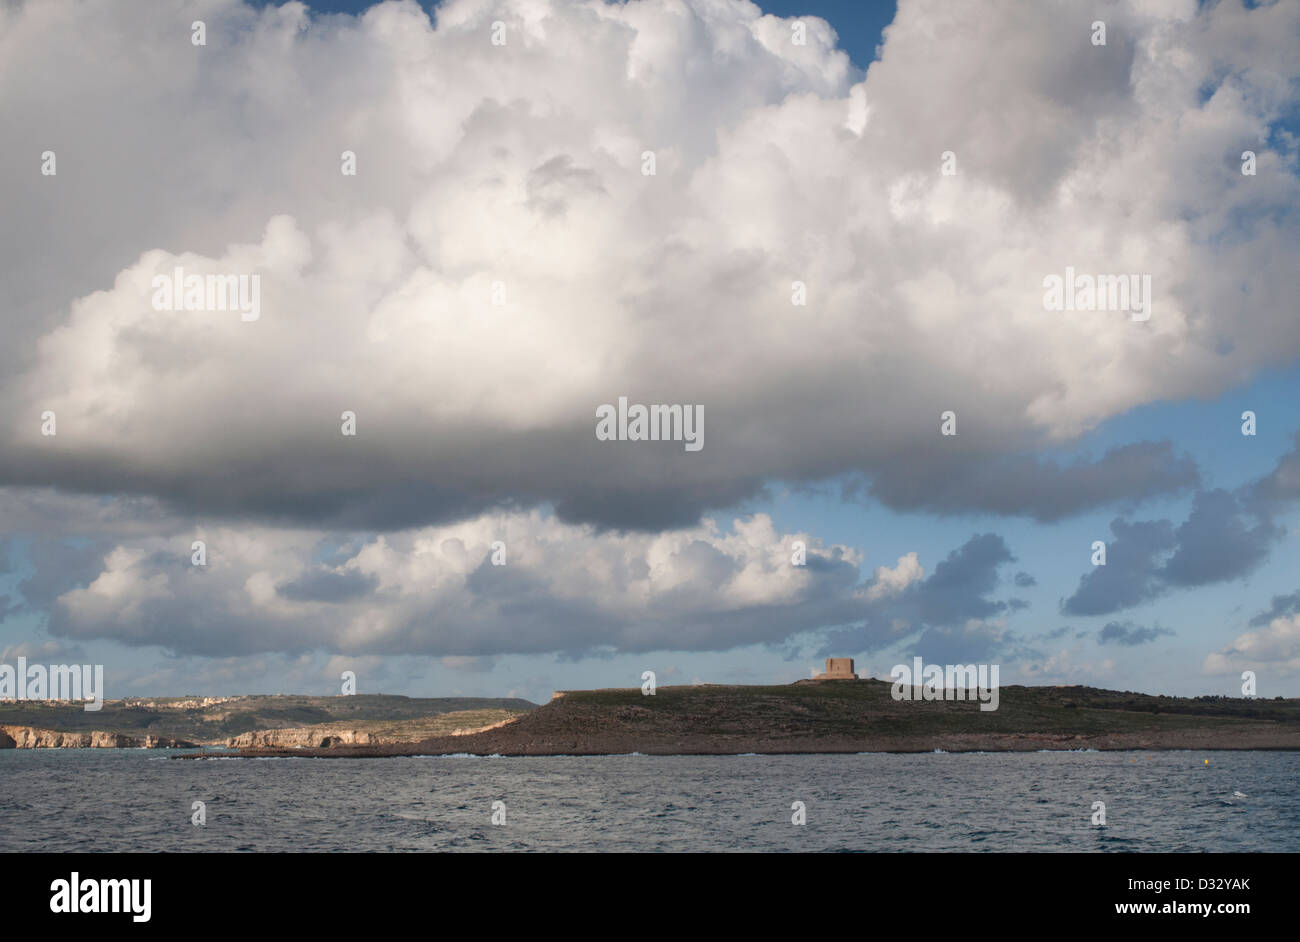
pixel 857 23
pixel 327 565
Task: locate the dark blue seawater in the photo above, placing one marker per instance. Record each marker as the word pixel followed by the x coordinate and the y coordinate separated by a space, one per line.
pixel 139 800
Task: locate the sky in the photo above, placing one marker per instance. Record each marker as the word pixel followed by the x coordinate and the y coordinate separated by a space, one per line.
pixel 841 241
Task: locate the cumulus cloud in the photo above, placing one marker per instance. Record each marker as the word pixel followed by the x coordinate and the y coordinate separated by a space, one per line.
pixel 1129 634
pixel 1276 647
pixel 976 640
pixel 437 591
pixel 471 665
pixel 1023 484
pixel 521 164
pixel 1221 540
pixel 573 590
pixel 1281 605
pixel 893 581
pixel 1282 485
pixel 50 652
pixel 952 610
pixel 1067 665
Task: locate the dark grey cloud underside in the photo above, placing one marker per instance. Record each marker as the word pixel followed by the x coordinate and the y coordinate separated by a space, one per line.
pixel 1129 634
pixel 391 479
pixel 1222 539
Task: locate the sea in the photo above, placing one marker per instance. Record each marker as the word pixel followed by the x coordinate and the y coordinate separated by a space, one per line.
pixel 90 800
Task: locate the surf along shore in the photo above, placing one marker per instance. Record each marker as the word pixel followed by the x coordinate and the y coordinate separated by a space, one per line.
pixel 848 716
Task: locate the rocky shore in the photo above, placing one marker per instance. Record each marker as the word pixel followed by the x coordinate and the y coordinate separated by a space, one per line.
pixel 450 725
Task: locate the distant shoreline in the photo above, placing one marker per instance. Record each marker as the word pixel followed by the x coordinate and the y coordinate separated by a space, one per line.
pixel 819 717
pixel 252 721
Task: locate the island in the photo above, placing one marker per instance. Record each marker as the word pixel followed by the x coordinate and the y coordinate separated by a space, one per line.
pixel 837 712
pixel 832 715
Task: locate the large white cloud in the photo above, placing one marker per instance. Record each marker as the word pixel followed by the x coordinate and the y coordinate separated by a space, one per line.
pixel 522 164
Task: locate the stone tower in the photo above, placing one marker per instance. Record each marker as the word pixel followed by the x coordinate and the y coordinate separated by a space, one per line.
pixel 838 668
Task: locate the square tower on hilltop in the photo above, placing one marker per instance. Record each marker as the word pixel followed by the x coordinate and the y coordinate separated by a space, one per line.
pixel 838 668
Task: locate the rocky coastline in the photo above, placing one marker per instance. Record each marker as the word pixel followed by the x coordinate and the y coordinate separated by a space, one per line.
pixel 253 721
pixel 30 737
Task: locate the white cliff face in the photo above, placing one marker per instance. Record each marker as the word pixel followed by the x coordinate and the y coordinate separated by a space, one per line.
pixel 31 737
pixel 305 737
pixel 319 736
pixel 322 737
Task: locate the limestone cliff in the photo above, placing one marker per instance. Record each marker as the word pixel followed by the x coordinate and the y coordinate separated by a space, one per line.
pixel 303 737
pixel 31 737
pixel 324 736
pixel 213 721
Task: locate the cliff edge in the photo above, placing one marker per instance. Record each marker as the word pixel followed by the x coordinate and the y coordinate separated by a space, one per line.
pixel 30 737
